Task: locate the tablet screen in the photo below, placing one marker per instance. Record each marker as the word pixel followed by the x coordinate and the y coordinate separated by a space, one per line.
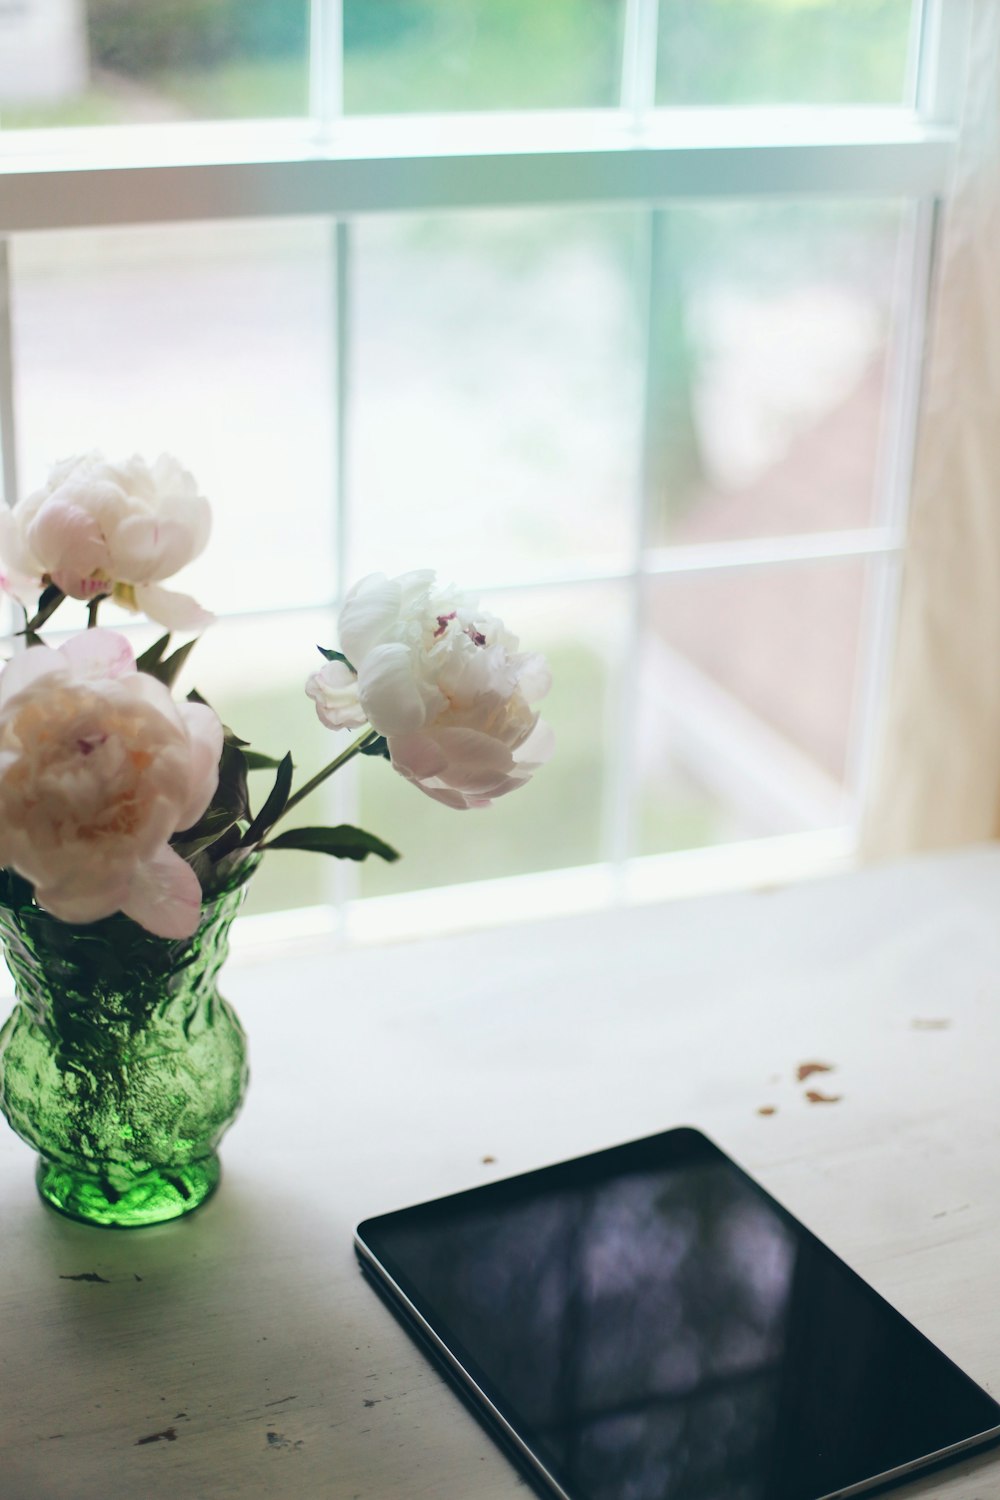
pixel 653 1326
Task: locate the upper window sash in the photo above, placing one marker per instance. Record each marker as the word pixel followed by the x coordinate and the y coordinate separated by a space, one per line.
pixel 62 179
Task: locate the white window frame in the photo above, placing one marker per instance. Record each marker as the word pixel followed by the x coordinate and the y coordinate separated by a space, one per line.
pixel 638 155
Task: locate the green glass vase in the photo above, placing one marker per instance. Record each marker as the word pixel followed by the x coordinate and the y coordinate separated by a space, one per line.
pixel 121 1064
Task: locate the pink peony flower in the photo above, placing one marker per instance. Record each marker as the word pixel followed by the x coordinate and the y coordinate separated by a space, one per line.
pixel 98 768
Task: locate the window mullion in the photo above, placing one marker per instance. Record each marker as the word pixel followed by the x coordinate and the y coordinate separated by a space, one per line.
pixel 503 162
pixel 944 31
pixel 341 252
pixel 343 877
pixel 621 776
pixel 326 65
pixel 638 85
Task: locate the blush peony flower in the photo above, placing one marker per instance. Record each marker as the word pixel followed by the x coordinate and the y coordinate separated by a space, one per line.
pixel 109 528
pixel 98 768
pixel 444 682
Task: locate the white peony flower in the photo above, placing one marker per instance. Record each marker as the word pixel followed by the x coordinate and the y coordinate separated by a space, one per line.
pixel 444 682
pixel 97 527
pixel 98 768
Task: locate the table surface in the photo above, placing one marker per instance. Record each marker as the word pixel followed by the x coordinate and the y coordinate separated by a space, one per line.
pixel 239 1353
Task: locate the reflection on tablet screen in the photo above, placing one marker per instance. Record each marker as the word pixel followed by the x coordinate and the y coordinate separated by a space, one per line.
pixel 667 1332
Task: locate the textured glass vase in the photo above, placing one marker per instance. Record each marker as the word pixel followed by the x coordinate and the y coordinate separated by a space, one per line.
pixel 121 1063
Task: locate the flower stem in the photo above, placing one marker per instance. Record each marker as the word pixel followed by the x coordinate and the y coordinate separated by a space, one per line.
pixel 353 749
pixel 92 611
pixel 48 604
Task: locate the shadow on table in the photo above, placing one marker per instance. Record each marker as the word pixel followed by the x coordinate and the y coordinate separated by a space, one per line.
pixel 240 1330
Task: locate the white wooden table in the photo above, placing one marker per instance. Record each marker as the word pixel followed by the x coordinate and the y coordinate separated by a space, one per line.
pixel 238 1353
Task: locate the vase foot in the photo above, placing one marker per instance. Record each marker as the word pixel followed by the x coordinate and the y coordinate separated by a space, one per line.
pixel 150 1198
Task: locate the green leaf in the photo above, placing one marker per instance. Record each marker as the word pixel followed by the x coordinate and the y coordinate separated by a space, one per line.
pixel 207 863
pixel 231 792
pixel 165 669
pixel 15 891
pixel 335 656
pixel 153 655
pixel 222 867
pixel 50 595
pixel 205 832
pixel 377 747
pixel 275 804
pixel 344 842
pixel 169 670
pixel 229 842
pixel 49 601
pixel 256 761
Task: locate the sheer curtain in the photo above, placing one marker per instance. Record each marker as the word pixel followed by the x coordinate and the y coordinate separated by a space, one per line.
pixel 937 780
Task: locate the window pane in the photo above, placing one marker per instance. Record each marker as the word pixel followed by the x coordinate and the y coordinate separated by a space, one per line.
pixel 480 54
pixel 86 62
pixel 494 415
pixel 553 821
pixel 783 51
pixel 747 687
pixel 211 342
pixel 771 327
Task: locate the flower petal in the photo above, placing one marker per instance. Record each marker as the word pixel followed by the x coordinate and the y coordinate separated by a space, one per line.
pixel 172 610
pixel 82 900
pixel 148 548
pixel 20 573
pixel 19 586
pixel 458 800
pixel 26 667
pixel 79 585
pixel 164 895
pixel 475 762
pixel 177 490
pixel 466 767
pixel 418 757
pixel 205 733
pixel 99 654
pixel 534 677
pixel 370 610
pixel 537 748
pixel 395 699
pixel 334 690
pixel 66 537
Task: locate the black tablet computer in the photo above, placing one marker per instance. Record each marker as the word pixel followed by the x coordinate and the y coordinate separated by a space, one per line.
pixel 647 1323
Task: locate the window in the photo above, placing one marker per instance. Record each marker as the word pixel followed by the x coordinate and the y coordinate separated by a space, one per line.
pixel 610 309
